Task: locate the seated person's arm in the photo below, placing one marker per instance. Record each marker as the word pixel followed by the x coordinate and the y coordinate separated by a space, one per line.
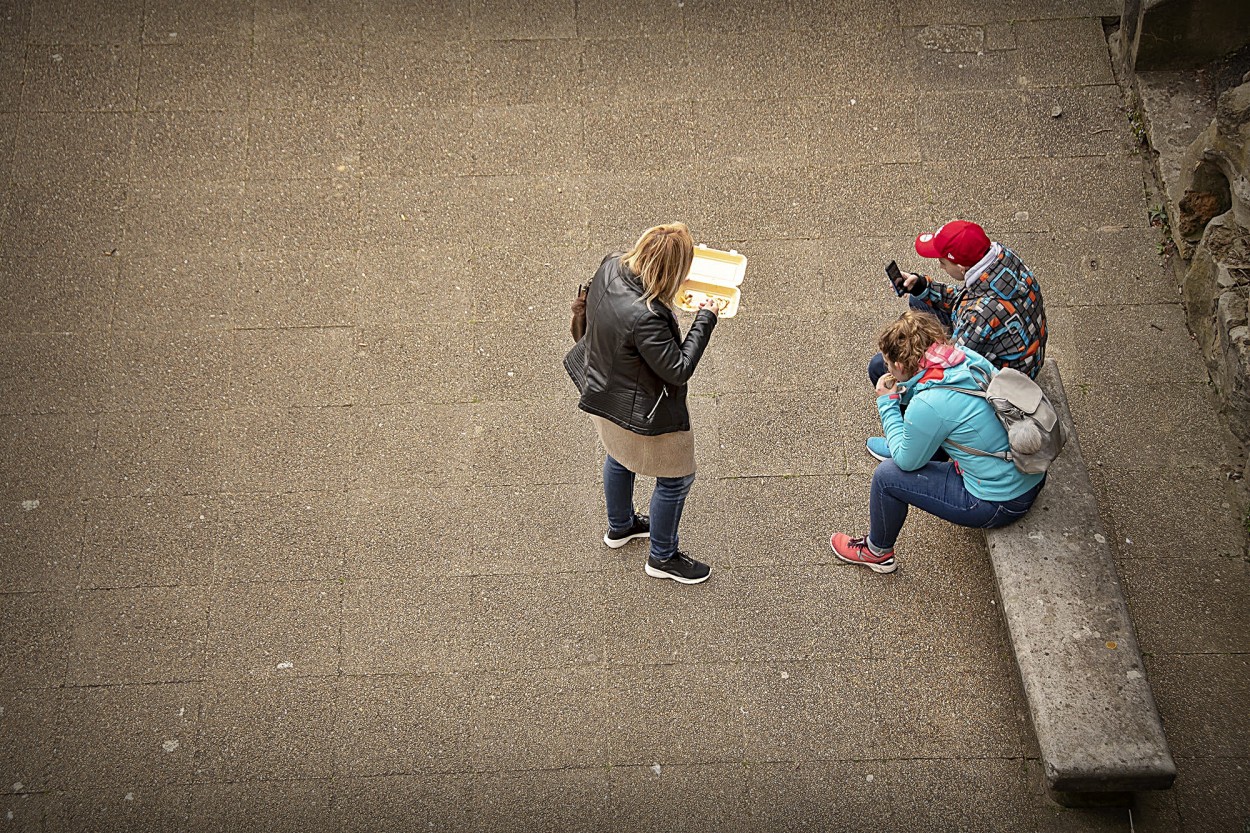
pixel 914 438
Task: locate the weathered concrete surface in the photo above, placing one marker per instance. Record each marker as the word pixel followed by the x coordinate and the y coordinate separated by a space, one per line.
pixel 317 540
pixel 1091 705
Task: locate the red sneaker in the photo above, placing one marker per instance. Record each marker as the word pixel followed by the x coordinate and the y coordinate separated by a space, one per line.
pixel 855 551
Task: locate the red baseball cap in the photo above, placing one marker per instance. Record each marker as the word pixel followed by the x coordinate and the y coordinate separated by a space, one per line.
pixel 959 240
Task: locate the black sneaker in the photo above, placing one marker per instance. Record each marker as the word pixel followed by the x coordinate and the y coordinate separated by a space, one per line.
pixel 680 567
pixel 640 529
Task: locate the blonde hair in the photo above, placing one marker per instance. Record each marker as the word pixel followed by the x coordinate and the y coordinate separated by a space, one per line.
pixel 905 341
pixel 662 258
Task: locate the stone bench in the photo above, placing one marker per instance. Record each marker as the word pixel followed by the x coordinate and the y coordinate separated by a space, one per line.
pixel 1095 718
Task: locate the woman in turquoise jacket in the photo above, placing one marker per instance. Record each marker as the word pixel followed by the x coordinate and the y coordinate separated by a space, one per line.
pixel 921 415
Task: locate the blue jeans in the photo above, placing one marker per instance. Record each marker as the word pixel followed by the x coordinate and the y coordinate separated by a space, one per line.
pixel 876 365
pixel 937 488
pixel 667 501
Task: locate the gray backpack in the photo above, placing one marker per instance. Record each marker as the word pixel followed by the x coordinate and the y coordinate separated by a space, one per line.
pixel 1035 434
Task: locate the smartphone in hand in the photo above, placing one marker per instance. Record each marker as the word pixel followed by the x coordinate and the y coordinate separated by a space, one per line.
pixel 895 277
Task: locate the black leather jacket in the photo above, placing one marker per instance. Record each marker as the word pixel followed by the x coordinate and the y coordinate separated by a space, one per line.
pixel 637 364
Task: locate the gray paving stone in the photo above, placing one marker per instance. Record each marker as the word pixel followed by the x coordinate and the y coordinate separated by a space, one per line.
pixel 85 21
pixel 981 715
pixel 939 72
pixel 674 714
pixel 538 282
pixel 28 722
pixel 863 126
pixel 610 19
pixel 63 147
pixel 1117 267
pixel 398 141
pixel 15 24
pixel 411 723
pixel 405 803
pixel 42 542
pixel 407 446
pixel 501 20
pixel 43 454
pixel 57 294
pixel 28 809
pixel 122 808
pixel 548 621
pixel 276 630
pixel 1200 800
pixel 181 218
pixel 66 219
pixel 1210 600
pixel 660 134
pixel 513 360
pixel 506 72
pixel 540 718
pixel 204 22
pixel 291 449
pixel 293 288
pixel 299 76
pixel 53 372
pixel 164 453
pixel 411 533
pixel 285 537
pixel 763 355
pixel 138 635
pixel 148 542
pixel 401 627
pixel 279 806
pixel 1145 326
pixel 704 17
pixel 565 799
pixel 267 729
pixel 400 21
pixel 201 75
pixel 1206 725
pixel 563 532
pixel 530 442
pixel 303 21
pixel 1062 52
pixel 800 711
pixel 291 367
pixel 617 70
pixel 175 291
pixel 292 144
pixel 73 77
pixel 189 145
pixel 1108 188
pixel 680 798
pixel 179 369
pixel 299 215
pixel 800 447
pixel 432 362
pixel 527 139
pixel 404 74
pixel 1153 522
pixel 843 796
pixel 1190 439
pixel 141 736
pixel 417 284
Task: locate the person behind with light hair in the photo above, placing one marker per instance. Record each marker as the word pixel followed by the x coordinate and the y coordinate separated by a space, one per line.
pixel 967 489
pixel 637 368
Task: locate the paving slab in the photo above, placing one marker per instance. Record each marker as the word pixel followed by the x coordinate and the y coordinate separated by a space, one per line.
pixel 196 75
pixel 286 450
pixel 165 541
pixel 541 718
pixel 129 808
pixel 206 22
pixel 138 736
pixel 280 806
pixel 398 627
pixel 187 370
pixel 274 630
pixel 189 145
pixel 679 798
pixel 45 454
pixel 301 536
pixel 69 77
pixel 54 147
pixel 405 802
pixel 138 635
pixel 28 722
pixel 42 542
pixel 294 288
pixel 175 291
pixel 168 453
pixel 71 218
pixel 1201 727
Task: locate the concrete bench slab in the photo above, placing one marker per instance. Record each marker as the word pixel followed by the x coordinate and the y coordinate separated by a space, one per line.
pixel 1099 731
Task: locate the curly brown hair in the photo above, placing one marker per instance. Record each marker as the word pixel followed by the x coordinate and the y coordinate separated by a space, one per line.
pixel 905 340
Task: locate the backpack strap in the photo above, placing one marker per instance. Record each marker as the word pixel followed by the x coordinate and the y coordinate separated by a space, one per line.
pixel 983 380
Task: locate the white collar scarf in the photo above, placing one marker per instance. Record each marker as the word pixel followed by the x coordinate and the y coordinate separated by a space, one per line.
pixel 981 265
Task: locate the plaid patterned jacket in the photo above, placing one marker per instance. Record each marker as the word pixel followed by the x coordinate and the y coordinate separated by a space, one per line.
pixel 1000 316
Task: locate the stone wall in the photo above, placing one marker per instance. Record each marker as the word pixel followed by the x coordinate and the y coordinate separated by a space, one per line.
pixel 1213 223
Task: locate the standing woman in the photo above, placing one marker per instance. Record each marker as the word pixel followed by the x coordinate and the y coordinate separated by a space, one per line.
pixel 637 367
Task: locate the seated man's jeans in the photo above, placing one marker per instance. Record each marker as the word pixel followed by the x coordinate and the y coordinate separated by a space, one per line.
pixel 937 488
pixel 667 501
pixel 876 365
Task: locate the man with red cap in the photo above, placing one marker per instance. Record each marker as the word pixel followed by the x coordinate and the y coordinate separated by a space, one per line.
pixel 994 306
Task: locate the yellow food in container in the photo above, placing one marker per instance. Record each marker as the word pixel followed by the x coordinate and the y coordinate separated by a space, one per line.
pixel 717 274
